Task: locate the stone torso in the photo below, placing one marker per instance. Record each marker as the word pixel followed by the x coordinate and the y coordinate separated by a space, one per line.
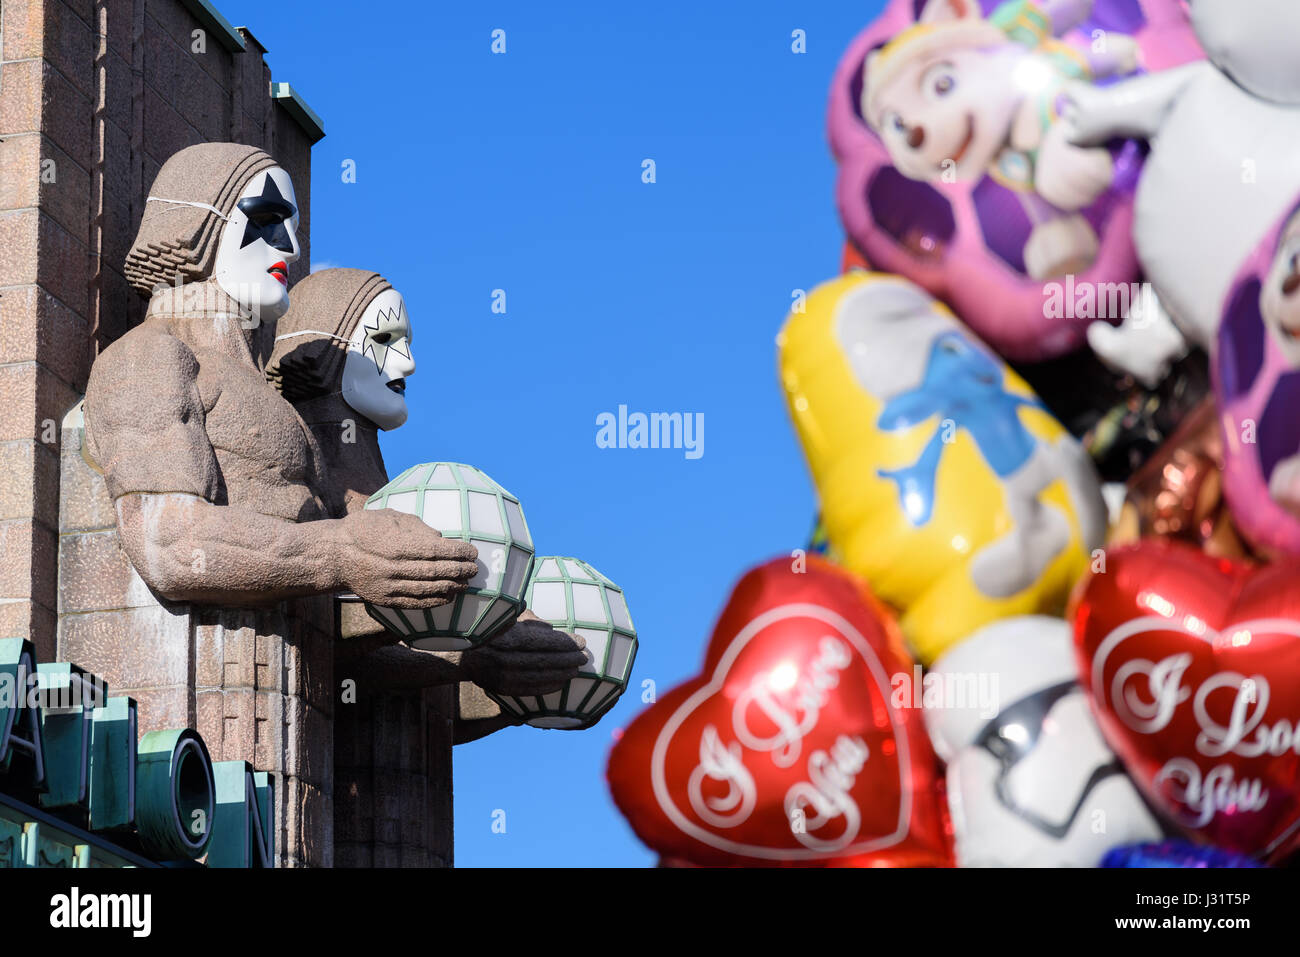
pixel 266 455
pixel 178 404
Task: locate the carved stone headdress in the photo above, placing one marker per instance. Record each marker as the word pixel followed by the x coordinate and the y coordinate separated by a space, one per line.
pixel 312 337
pixel 181 227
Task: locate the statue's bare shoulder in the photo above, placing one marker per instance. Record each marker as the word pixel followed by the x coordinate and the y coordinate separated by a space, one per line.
pixel 145 418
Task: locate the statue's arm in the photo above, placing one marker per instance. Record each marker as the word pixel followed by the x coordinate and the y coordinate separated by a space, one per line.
pixel 187 549
pixel 146 430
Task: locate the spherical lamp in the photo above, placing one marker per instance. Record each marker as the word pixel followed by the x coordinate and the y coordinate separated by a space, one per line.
pixel 462 502
pixel 572 596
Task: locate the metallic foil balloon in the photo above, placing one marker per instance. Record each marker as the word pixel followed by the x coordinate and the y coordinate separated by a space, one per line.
pixel 1174 854
pixel 1223 166
pixel 786 749
pixel 1257 383
pixel 1193 667
pixel 943 481
pixel 1178 493
pixel 1031 783
pixel 955 170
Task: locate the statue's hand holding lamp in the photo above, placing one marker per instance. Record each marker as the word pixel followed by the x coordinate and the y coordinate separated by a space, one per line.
pixel 527 666
pixel 567 594
pixel 460 502
pixel 571 596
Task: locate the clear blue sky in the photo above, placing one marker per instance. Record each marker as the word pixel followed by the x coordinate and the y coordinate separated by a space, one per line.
pixel 522 172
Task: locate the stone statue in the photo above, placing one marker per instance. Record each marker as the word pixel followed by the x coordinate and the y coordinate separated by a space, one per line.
pixel 218 486
pixel 241 525
pixel 342 355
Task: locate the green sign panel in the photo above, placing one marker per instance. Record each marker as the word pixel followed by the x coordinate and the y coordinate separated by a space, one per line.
pixel 97 784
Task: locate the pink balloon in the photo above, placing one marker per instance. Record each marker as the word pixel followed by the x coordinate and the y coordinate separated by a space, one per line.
pixel 1257 386
pixel 966 241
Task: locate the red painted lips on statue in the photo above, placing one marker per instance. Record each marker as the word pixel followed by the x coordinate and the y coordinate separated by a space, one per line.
pixel 786 750
pixel 1193 667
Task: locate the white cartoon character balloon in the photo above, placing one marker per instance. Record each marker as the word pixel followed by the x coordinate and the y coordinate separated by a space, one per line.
pixel 258 242
pixel 957 96
pixel 1224 166
pixel 378 361
pixel 1031 782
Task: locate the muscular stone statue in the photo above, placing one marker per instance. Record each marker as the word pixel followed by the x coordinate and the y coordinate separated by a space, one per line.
pixel 342 356
pixel 218 486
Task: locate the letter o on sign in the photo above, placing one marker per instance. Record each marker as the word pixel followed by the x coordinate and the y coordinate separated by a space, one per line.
pixel 175 795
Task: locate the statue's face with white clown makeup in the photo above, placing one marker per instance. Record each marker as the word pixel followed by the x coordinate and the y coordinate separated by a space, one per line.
pixel 378 361
pixel 258 243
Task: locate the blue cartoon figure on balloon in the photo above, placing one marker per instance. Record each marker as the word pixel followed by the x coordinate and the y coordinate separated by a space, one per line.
pixel 963 386
pixel 942 479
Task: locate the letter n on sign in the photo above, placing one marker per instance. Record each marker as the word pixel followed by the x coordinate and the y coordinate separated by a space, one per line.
pixel 243 832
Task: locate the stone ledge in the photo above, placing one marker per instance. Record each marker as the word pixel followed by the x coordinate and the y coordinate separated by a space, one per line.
pixel 297 107
pixel 211 19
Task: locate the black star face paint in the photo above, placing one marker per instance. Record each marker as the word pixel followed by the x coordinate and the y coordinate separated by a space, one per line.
pixel 258 243
pixel 379 360
pixel 267 215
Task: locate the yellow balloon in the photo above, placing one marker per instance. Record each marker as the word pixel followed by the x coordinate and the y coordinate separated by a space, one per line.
pixel 943 480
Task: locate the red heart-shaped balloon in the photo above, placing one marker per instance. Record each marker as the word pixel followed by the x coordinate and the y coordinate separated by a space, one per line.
pixel 786 750
pixel 1193 667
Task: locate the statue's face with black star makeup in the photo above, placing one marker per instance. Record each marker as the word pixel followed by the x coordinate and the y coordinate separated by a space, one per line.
pixel 379 360
pixel 258 243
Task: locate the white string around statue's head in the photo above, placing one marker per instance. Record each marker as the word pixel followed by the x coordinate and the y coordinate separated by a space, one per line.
pixel 186 202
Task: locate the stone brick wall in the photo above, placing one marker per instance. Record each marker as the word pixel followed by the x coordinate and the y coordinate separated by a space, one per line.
pixel 94 96
pixel 393 799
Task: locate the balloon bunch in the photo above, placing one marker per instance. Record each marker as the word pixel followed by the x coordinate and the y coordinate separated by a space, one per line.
pixel 1048 410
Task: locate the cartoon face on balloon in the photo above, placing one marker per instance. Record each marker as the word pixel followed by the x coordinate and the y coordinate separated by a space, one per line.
pixel 1030 776
pixel 1279 300
pixel 958 96
pixel 956 171
pixel 943 109
pixel 961 94
pixel 1257 388
pixel 258 242
pixel 942 479
pixel 378 361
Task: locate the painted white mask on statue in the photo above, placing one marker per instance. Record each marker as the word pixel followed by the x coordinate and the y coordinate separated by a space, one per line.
pixel 378 361
pixel 257 244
